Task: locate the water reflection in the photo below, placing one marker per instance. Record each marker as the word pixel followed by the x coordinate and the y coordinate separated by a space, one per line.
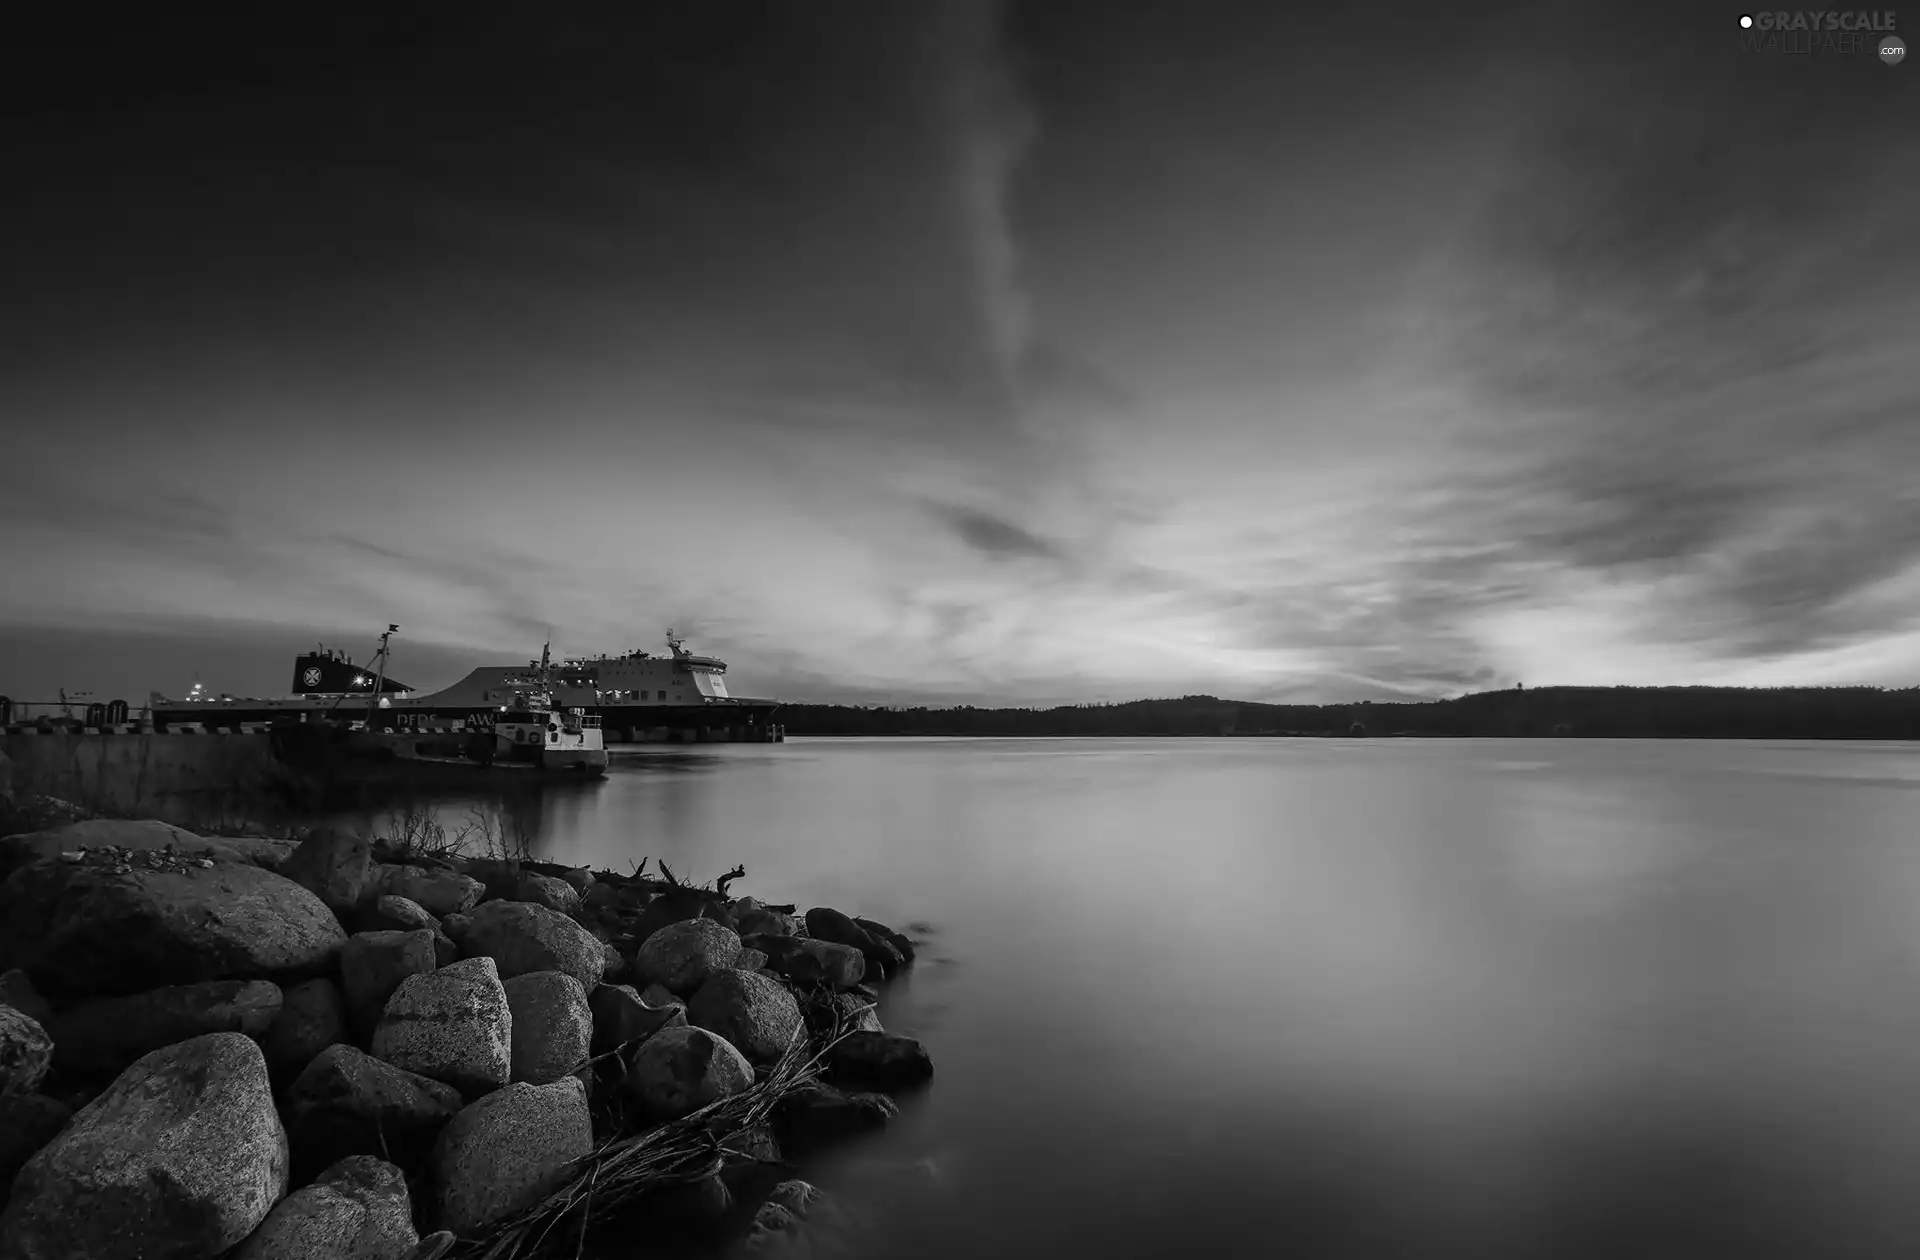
pixel 1349 998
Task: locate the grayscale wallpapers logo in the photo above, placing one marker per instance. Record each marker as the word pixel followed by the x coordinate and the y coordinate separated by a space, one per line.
pixel 1806 32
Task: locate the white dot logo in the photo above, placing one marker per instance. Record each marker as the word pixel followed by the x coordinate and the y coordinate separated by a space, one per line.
pixel 1893 49
pixel 1746 20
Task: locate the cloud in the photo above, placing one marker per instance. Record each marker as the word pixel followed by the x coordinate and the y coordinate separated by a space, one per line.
pixel 994 536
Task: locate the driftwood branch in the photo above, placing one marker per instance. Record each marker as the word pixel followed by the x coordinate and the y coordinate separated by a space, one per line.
pixel 720 885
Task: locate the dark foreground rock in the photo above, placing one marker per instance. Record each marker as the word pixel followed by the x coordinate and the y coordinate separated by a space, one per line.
pixel 105 1035
pixel 552 1026
pixel 26 1052
pixel 335 866
pixel 818 1114
pixel 27 1123
pixel 756 1014
pixel 453 1025
pixel 807 961
pixel 679 1070
pixel 621 1016
pixel 826 924
pixel 884 1059
pixel 133 835
pixel 508 1150
pixel 372 965
pixel 680 956
pixel 439 891
pixel 180 1159
pixel 347 1102
pixel 85 930
pixel 312 1017
pixel 521 937
pixel 358 1209
pixel 17 991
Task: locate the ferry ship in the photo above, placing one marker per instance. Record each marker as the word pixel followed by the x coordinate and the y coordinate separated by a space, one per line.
pixel 635 697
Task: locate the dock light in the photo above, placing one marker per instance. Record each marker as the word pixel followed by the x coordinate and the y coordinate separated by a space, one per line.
pixel 385 703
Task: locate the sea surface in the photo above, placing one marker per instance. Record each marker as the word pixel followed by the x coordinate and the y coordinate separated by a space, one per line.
pixel 1349 998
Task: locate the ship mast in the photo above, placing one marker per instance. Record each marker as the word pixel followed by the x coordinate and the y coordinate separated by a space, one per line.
pixel 380 673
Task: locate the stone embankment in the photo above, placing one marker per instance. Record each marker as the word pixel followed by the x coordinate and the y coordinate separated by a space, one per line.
pixel 257 1048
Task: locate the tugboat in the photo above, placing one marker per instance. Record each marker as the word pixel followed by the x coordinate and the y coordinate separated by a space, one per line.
pixel 529 735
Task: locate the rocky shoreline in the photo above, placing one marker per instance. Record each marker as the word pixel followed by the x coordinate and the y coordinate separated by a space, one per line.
pixel 337 1047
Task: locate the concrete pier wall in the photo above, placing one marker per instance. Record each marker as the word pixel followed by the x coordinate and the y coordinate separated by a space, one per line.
pixel 173 776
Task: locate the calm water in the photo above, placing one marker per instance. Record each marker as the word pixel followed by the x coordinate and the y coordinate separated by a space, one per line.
pixel 1352 999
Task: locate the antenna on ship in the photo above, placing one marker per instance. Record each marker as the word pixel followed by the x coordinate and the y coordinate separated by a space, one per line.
pixel 380 671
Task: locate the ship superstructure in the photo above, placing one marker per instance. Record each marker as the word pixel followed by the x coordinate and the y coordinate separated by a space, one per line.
pixel 637 696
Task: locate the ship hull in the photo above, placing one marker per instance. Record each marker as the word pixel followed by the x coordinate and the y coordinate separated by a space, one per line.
pixel 363 756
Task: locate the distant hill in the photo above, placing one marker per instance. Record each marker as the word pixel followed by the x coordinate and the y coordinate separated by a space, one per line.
pixel 1586 712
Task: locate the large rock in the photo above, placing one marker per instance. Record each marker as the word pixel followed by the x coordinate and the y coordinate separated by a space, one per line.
pixel 312 1017
pixel 336 866
pixel 103 1036
pixel 831 1012
pixel 357 1210
pixel 801 1222
pixel 521 937
pixel 17 991
pixel 453 1025
pixel 680 1070
pixel 347 1102
pixel 27 1123
pixel 387 913
pixel 770 922
pixel 884 1059
pixel 579 878
pixel 87 930
pixel 756 1014
pixel 807 961
pixel 262 851
pixel 138 835
pixel 373 964
pixel 825 924
pixel 679 906
pixel 26 1052
pixel 552 1025
pixel 681 955
pixel 440 891
pixel 508 1151
pixel 545 890
pixel 180 1159
pixel 622 1016
pixel 816 1114
pixel 901 943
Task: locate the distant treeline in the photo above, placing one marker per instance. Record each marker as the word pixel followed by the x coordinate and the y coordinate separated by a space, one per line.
pixel 1586 712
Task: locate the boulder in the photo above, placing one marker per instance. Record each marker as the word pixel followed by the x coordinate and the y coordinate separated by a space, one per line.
pixel 456 927
pixel 622 1017
pixel 358 1209
pixel 597 897
pixel 552 1026
pixel 84 930
pixel 27 1123
pixel 17 991
pixel 26 1052
pixel 800 1222
pixel 680 1070
pixel 545 890
pixel 498 877
pixel 103 1036
pixel 678 907
pixel 373 964
pixel 885 1059
pixel 453 1025
pixel 140 836
pixel 899 940
pixel 312 1017
pixel 579 878
pixel 831 1012
pixel 521 937
pixel 807 961
pixel 681 955
pixel 509 1150
pixel 825 924
pixel 750 960
pixel 617 967
pixel 181 1158
pixel 817 1114
pixel 347 1102
pixel 334 865
pixel 388 913
pixel 439 891
pixel 756 1014
pixel 769 922
pixel 262 851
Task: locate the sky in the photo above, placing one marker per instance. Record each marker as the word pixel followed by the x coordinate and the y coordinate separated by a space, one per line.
pixel 963 352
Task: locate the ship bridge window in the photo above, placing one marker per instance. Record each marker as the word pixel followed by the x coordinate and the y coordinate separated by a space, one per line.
pixel 663 695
